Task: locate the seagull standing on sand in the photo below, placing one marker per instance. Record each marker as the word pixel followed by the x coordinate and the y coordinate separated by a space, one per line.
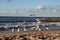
pixel 24 26
pixel 12 29
pixel 18 30
pixel 38 23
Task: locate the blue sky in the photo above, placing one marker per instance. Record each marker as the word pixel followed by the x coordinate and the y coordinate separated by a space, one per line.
pixel 28 3
pixel 20 4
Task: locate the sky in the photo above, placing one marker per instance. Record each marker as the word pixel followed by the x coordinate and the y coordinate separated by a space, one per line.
pixel 21 4
pixel 27 3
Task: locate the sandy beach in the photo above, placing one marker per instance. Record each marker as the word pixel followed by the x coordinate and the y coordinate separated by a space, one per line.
pixel 31 35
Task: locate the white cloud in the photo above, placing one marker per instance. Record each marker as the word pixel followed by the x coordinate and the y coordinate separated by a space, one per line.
pixel 39 7
pixel 54 10
pixel 42 11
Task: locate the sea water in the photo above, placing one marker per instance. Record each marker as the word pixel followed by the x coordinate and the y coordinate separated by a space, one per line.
pixel 11 19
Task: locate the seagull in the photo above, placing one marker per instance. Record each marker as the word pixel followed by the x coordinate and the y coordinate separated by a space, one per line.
pixel 39 29
pixel 5 26
pixel 25 29
pixel 32 28
pixel 47 28
pixel 18 29
pixel 12 29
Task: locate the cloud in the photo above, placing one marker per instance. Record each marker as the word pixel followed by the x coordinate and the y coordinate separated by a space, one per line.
pixel 39 7
pixel 39 11
pixel 54 10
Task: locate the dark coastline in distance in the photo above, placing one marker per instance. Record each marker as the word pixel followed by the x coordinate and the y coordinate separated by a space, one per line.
pixel 27 18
